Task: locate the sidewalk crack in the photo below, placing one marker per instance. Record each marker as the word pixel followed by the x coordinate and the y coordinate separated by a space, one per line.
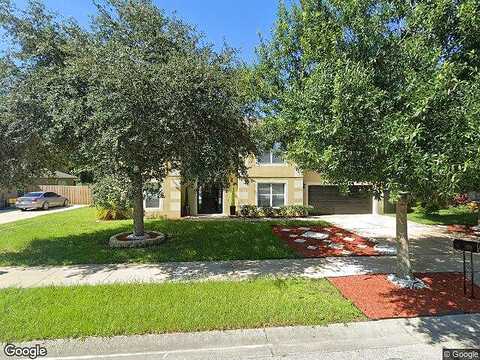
pixel 268 344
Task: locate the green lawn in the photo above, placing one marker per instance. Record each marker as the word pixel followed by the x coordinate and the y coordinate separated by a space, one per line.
pixel 453 215
pixel 107 310
pixel 76 237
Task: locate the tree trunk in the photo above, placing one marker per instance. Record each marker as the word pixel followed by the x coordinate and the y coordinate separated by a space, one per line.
pixel 138 224
pixel 404 269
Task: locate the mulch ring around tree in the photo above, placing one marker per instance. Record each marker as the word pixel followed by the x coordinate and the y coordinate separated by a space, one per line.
pixel 378 298
pixel 318 241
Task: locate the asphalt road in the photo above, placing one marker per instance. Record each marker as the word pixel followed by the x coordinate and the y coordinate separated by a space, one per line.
pixel 406 339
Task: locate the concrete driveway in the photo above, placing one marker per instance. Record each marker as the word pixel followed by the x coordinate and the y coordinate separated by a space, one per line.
pixel 11 215
pixel 430 245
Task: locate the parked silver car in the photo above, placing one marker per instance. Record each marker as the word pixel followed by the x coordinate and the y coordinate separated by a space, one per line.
pixel 40 200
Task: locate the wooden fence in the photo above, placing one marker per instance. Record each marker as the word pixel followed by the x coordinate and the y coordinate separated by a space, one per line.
pixel 76 195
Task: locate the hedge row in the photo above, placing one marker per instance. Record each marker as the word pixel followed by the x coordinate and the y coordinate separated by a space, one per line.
pixel 252 211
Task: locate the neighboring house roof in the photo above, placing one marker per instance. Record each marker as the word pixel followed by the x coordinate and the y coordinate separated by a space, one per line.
pixel 60 175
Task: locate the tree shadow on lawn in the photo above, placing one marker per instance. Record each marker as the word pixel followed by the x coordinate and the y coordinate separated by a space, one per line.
pixel 87 247
pixel 186 241
pixel 447 219
pixel 280 269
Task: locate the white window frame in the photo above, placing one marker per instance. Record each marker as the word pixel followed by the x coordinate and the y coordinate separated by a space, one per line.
pixel 160 203
pixel 273 182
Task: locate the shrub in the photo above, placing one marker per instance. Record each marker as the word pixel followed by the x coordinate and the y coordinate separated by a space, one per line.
pixel 253 211
pixel 301 210
pixel 113 214
pixel 267 212
pixel 250 211
pixel 282 211
pixel 461 199
pixel 474 206
pixel 428 207
pixel 155 215
pixel 110 197
pixel 295 210
pixel 433 204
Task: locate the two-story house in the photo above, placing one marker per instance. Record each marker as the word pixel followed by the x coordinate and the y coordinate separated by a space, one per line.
pixel 272 182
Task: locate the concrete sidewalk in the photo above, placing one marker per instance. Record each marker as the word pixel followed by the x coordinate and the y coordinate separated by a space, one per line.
pixel 219 270
pixel 418 338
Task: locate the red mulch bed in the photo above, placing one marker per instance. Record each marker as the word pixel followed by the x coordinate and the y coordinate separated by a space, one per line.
pixel 462 229
pixel 378 298
pixel 352 244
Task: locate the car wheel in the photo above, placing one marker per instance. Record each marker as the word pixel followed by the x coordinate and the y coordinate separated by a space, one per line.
pixel 23 209
pixel 45 206
pixel 65 203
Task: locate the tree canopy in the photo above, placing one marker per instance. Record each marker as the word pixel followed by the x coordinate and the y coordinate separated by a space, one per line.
pixel 384 92
pixel 136 96
pixel 24 154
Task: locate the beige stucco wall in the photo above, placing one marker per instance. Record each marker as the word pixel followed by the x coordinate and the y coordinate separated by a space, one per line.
pixel 271 170
pixel 271 173
pixel 311 177
pixel 170 204
pixel 247 192
pixel 226 202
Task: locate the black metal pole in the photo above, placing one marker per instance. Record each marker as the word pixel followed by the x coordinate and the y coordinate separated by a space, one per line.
pixel 473 276
pixel 464 275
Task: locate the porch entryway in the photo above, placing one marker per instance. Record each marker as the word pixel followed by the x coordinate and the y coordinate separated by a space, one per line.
pixel 210 199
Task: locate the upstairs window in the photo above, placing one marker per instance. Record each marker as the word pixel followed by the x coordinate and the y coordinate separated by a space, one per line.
pixel 272 156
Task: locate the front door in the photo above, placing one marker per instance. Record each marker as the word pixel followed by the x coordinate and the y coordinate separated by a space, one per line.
pixel 209 200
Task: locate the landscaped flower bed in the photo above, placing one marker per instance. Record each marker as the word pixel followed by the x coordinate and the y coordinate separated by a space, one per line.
pixel 465 230
pixel 379 298
pixel 318 241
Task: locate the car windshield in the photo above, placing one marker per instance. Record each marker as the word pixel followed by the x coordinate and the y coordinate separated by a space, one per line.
pixel 33 194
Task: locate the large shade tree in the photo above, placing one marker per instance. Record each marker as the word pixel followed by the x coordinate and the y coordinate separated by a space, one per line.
pixel 137 96
pixel 23 153
pixel 379 92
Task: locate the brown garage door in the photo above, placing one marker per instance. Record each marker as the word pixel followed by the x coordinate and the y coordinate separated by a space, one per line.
pixel 329 200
